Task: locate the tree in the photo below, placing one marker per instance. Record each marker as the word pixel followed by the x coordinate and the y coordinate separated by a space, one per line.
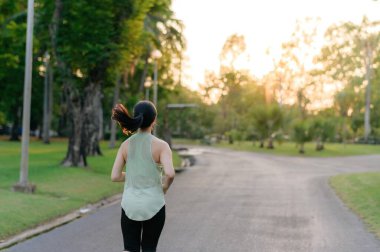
pixel 297 83
pixel 348 58
pixel 322 129
pixel 301 134
pixel 233 48
pixel 267 119
pixel 87 39
pixel 157 29
pixel 344 102
pixel 12 55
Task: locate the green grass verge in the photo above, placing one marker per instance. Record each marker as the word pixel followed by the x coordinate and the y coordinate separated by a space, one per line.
pixel 361 193
pixel 59 189
pixel 176 160
pixel 186 141
pixel 291 149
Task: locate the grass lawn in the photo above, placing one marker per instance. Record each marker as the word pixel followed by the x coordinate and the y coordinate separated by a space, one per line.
pixel 176 160
pixel 291 149
pixel 59 189
pixel 361 192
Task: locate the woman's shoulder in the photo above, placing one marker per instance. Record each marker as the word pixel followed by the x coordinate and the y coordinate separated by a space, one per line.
pixel 159 142
pixel 124 144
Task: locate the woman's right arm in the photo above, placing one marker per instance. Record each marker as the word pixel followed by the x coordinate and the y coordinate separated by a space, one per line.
pixel 117 174
pixel 167 162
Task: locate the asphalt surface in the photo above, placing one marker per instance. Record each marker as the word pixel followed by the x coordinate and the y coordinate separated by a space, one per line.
pixel 237 201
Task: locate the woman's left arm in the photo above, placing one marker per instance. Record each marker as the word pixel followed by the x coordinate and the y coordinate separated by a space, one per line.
pixel 117 174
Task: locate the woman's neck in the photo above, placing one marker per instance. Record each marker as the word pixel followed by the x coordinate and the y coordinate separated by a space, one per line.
pixel 148 130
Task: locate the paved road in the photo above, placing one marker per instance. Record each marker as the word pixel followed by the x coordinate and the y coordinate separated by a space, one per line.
pixel 237 201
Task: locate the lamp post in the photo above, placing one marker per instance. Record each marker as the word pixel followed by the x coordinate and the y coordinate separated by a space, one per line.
pixel 23 184
pixel 147 85
pixel 156 54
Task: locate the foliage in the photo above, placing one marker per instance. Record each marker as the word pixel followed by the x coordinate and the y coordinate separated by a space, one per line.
pixel 12 61
pixel 301 133
pixel 323 129
pixel 267 119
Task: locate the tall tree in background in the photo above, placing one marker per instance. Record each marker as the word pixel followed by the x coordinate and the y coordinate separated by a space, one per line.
pixel 233 48
pixel 157 29
pixel 130 45
pixel 370 41
pixel 299 86
pixel 83 55
pixel 348 58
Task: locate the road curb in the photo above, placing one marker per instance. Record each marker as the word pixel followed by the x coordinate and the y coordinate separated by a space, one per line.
pixel 47 226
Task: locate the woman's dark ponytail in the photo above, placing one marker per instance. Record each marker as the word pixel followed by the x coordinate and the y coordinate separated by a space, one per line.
pixel 127 123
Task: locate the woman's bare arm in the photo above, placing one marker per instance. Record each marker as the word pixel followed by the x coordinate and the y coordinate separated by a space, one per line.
pixel 117 174
pixel 167 162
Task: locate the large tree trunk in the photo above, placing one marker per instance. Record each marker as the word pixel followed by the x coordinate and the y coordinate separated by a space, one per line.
pixel 261 143
pixel 302 148
pixel 76 151
pixel 83 113
pixel 270 143
pixel 91 124
pixel 113 123
pixel 320 146
pixel 48 100
pixel 101 121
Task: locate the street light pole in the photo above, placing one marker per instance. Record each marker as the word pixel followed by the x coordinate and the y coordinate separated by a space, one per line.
pixel 155 91
pixel 23 184
pixel 147 85
pixel 155 83
pixel 156 54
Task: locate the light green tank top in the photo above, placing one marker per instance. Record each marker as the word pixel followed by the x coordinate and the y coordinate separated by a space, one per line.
pixel 143 195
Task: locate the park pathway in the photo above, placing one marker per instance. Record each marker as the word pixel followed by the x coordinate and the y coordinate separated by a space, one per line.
pixel 237 201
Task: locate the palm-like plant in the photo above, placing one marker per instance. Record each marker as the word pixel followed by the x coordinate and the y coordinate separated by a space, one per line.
pixel 301 134
pixel 267 119
pixel 321 130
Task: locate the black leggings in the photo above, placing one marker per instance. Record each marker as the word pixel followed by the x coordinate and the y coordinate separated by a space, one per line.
pixel 142 233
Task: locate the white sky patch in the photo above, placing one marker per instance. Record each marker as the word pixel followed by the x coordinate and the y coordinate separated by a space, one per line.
pixel 265 24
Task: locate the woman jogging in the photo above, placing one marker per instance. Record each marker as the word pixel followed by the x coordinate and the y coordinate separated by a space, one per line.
pixel 143 202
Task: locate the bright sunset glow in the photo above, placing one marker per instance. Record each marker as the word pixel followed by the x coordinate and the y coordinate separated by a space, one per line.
pixel 264 24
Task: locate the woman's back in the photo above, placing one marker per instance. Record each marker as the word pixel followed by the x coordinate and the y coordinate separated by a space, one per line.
pixel 143 195
pixel 142 171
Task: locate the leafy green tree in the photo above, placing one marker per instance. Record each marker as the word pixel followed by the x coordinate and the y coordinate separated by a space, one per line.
pixel 84 39
pixel 267 119
pixel 344 102
pixel 322 129
pixel 349 57
pixel 301 134
pixel 260 118
pixel 157 29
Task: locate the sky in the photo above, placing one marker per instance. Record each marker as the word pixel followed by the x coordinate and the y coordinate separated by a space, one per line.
pixel 264 24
